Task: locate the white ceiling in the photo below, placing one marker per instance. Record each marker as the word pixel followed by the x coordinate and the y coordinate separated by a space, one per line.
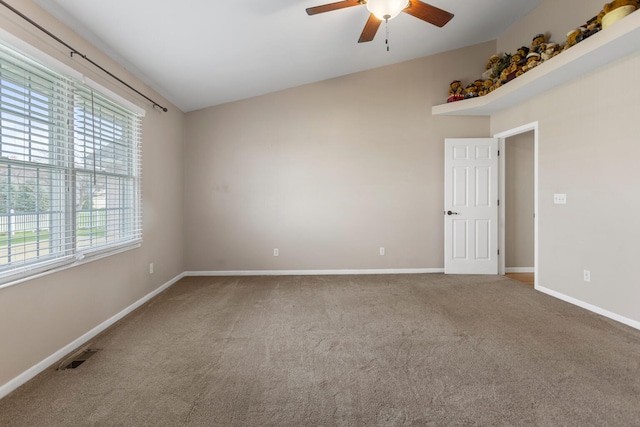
pixel 199 53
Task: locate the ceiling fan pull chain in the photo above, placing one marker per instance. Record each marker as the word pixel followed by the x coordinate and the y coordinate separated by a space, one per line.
pixel 386 24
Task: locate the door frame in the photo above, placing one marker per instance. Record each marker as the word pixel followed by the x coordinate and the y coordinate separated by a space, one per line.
pixel 502 136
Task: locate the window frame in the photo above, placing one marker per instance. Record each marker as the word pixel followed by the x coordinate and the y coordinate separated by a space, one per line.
pixel 70 252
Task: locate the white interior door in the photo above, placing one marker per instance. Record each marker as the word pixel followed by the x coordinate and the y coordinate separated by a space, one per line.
pixel 471 206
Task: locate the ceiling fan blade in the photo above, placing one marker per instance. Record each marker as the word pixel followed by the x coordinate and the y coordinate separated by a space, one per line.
pixel 370 29
pixel 428 13
pixel 333 6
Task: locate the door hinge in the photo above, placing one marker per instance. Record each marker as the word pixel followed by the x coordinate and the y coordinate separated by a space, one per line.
pixel 498 202
pixel 498 251
pixel 498 153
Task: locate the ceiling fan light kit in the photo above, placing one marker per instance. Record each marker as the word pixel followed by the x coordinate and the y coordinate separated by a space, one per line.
pixel 383 10
pixel 386 9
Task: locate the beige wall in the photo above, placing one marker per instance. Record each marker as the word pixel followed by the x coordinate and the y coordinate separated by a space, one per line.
pixel 327 172
pixel 588 149
pixel 40 317
pixel 519 201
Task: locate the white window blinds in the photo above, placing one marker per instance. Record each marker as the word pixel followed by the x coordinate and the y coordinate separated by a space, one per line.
pixel 69 170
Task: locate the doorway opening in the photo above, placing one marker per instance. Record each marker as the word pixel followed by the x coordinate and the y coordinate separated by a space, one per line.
pixel 518 189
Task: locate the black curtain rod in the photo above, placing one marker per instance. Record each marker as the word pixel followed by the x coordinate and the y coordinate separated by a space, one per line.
pixel 76 52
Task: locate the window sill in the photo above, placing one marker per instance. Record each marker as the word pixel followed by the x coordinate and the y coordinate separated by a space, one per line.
pixel 67 263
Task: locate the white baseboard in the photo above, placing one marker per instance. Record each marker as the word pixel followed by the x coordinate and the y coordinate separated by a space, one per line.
pixel 629 322
pixel 519 269
pixel 313 272
pixel 21 379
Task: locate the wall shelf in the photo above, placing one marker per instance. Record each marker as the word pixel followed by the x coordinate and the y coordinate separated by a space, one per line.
pixel 610 44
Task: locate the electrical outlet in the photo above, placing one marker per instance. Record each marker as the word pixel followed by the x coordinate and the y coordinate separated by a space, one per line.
pixel 382 251
pixel 560 199
pixel 587 276
pixel 151 268
pixel 276 252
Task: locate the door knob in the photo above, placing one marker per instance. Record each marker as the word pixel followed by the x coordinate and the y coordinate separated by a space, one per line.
pixel 452 213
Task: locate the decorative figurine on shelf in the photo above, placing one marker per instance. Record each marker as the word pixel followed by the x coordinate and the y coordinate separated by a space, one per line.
pixel 489 69
pixel 551 50
pixel 487 87
pixel 537 44
pixel 499 67
pixel 574 37
pixel 617 10
pixel 593 25
pixel 514 69
pixel 455 91
pixel 615 4
pixel 523 51
pixel 599 18
pixel 470 91
pixel 533 59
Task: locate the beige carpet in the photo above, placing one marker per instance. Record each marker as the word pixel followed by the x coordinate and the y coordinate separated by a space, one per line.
pixel 347 351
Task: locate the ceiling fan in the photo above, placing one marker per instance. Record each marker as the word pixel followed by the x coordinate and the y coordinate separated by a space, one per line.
pixel 383 10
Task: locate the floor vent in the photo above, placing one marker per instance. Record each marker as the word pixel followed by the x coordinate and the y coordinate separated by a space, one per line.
pixel 77 359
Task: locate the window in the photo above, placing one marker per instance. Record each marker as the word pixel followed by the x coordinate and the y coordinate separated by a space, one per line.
pixel 69 170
